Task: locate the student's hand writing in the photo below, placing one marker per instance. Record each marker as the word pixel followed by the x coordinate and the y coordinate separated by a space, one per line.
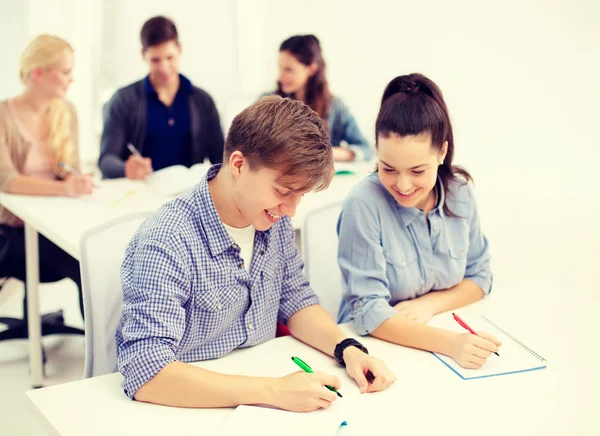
pixel 419 310
pixel 341 154
pixel 371 374
pixel 78 185
pixel 471 351
pixel 303 392
pixel 137 167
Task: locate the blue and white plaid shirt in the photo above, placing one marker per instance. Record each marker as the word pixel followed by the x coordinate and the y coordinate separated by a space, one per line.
pixel 187 295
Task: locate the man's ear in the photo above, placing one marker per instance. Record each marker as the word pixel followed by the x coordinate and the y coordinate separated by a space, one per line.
pixel 237 163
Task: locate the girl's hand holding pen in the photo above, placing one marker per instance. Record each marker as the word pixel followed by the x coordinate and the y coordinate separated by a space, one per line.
pixel 78 185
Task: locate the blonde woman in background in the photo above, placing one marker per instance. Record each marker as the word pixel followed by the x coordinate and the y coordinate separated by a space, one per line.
pixel 38 133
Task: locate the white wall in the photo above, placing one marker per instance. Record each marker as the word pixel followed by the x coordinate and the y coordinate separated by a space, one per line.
pixel 76 21
pixel 12 16
pixel 520 77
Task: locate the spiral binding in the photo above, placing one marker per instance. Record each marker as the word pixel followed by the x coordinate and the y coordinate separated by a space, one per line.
pixel 516 341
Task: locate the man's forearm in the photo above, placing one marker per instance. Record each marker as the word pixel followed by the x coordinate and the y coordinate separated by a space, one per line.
pixel 111 166
pixel 181 385
pixel 313 326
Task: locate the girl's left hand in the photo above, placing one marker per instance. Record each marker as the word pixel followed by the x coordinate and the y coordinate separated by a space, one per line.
pixel 419 310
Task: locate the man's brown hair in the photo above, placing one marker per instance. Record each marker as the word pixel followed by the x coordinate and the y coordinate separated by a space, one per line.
pixel 158 30
pixel 285 135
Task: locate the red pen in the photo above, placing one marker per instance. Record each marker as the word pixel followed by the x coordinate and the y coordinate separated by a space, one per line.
pixel 465 326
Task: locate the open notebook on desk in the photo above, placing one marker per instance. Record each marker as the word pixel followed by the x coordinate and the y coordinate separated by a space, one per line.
pixel 514 357
pixel 174 180
pixel 275 422
pixel 156 188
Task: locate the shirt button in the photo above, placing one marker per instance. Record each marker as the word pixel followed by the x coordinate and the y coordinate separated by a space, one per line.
pixel 250 326
pixel 219 306
pixel 241 265
pixel 356 304
pixel 236 246
pixel 403 263
pixel 432 273
pixel 435 228
pixel 262 252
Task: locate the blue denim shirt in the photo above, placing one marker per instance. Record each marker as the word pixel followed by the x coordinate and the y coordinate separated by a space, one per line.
pixel 187 295
pixel 387 253
pixel 343 127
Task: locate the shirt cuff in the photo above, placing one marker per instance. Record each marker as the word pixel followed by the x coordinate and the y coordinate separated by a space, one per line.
pixel 143 365
pixel 484 283
pixel 361 153
pixel 371 314
pixel 287 310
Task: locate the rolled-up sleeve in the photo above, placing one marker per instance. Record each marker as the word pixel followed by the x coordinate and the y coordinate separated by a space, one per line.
pixel 478 267
pixel 354 137
pixel 363 266
pixel 296 293
pixel 156 286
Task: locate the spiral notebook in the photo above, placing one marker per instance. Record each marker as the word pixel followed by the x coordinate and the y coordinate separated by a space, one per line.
pixel 515 356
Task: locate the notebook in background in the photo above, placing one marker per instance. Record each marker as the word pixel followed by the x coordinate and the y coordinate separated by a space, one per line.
pixel 275 422
pixel 175 179
pixel 515 356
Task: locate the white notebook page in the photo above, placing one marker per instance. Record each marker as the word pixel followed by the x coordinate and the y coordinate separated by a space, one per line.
pixel 275 422
pixel 514 357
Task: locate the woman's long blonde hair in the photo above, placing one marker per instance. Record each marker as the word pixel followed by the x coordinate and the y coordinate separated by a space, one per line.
pixel 45 51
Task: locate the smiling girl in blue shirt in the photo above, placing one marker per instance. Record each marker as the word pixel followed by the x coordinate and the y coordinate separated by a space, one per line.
pixel 410 242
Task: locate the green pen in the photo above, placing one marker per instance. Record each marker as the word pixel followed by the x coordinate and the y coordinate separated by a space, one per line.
pixel 304 366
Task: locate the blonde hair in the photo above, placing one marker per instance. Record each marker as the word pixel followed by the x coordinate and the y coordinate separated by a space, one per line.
pixel 45 51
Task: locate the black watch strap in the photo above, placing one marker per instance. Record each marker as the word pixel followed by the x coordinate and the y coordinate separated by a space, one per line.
pixel 338 354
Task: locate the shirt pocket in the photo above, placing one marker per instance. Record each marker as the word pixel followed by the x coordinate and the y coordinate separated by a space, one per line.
pixel 404 275
pixel 457 264
pixel 216 311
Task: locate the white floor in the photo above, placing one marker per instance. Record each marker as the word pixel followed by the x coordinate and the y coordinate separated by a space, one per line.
pixel 65 355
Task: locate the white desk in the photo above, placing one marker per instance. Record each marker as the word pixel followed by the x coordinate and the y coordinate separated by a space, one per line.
pixel 427 399
pixel 65 220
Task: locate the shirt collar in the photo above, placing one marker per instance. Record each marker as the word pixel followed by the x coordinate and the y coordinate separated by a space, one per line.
pixel 217 237
pixel 185 85
pixel 408 214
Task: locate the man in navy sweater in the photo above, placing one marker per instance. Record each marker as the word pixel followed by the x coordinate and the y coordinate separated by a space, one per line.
pixel 161 120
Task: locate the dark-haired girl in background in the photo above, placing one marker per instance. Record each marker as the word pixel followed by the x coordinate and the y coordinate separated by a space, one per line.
pixel 302 76
pixel 410 242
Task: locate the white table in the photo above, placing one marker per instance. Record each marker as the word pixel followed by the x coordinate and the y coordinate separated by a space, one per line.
pixel 65 220
pixel 427 399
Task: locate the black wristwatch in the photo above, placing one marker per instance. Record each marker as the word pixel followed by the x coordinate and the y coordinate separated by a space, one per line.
pixel 338 354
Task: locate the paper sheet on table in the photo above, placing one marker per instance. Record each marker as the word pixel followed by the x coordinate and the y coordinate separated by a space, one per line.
pixel 107 194
pixel 275 422
pixel 176 179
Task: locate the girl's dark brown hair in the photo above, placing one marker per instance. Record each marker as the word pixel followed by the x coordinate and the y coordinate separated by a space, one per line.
pixel 413 105
pixel 307 49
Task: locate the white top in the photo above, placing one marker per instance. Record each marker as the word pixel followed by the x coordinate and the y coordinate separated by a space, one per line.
pixel 244 238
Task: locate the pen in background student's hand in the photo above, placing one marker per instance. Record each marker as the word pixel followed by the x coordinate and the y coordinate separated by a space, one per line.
pixel 133 150
pixel 69 169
